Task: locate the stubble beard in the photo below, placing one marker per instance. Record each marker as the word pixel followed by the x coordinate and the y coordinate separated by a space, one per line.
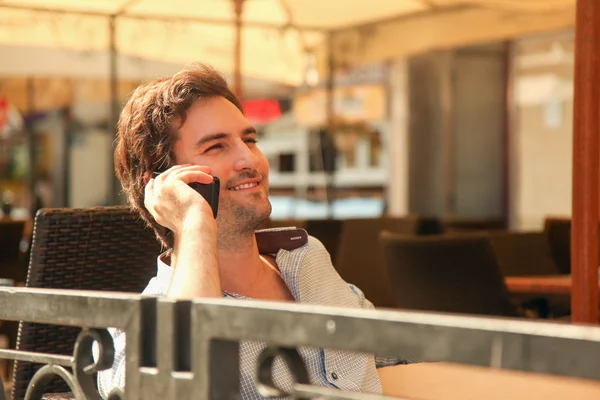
pixel 238 221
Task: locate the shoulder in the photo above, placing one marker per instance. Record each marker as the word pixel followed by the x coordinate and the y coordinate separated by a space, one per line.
pixel 316 252
pixel 316 256
pixel 315 244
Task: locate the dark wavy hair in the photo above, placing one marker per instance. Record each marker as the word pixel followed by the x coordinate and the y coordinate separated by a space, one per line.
pixel 148 127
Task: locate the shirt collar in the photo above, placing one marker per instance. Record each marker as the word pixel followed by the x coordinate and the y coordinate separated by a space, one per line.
pixel 164 271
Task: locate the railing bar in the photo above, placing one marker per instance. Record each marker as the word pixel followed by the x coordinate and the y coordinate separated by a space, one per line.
pixel 42 358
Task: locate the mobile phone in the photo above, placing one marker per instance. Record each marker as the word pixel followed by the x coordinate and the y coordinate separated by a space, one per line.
pixel 210 192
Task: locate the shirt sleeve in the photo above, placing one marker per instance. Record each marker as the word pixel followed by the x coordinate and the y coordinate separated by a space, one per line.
pixel 113 377
pixel 364 303
pixel 380 361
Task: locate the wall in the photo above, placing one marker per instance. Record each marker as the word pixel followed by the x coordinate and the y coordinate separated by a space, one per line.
pixel 541 165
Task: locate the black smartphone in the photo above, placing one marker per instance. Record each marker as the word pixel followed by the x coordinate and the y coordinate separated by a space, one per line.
pixel 209 191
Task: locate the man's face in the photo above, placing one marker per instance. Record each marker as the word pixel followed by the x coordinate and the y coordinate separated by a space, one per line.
pixel 217 134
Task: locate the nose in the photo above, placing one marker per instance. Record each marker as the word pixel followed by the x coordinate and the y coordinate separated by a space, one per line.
pixel 246 158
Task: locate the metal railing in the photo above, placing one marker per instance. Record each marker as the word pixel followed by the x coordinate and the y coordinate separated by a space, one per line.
pixel 193 353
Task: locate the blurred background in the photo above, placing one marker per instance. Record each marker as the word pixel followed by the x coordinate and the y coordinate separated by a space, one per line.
pixel 443 108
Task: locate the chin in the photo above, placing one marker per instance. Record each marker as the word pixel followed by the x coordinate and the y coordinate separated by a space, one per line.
pixel 245 217
pixel 262 212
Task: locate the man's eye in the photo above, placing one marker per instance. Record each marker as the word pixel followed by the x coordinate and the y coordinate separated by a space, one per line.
pixel 215 147
pixel 251 141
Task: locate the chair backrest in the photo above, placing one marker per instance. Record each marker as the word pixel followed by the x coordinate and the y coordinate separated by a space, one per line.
pixel 456 274
pixel 99 248
pixel 328 231
pixel 558 231
pixel 523 253
pixel 451 225
pixel 360 260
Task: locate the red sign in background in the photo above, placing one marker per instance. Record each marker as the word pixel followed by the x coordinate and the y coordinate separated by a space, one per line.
pixel 3 112
pixel 262 111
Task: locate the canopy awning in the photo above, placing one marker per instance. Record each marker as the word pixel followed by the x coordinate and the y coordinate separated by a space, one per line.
pixel 277 34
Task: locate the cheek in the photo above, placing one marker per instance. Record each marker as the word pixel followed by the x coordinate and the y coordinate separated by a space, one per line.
pixel 263 164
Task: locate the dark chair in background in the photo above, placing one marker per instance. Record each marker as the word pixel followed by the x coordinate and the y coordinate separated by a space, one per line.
pixel 328 231
pixel 360 260
pixel 12 263
pixel 529 254
pixel 558 232
pixel 523 253
pixel 456 274
pixel 100 248
pixel 452 225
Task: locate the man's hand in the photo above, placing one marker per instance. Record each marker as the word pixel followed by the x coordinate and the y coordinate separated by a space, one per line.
pixel 178 207
pixel 171 201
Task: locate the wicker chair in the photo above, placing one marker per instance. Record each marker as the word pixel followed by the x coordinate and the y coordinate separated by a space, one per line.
pixel 456 274
pixel 100 248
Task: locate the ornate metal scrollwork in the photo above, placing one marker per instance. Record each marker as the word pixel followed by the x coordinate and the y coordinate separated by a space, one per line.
pixel 84 365
pixel 81 381
pixel 301 388
pixel 265 385
pixel 41 379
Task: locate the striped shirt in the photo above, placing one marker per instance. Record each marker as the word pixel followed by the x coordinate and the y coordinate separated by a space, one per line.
pixel 311 278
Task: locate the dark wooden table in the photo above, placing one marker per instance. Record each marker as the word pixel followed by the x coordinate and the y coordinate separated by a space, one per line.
pixel 555 284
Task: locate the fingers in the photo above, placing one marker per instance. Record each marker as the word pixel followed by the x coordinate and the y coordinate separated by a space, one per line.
pixel 187 173
pixel 169 199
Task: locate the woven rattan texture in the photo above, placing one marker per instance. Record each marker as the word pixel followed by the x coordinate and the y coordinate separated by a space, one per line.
pixel 99 248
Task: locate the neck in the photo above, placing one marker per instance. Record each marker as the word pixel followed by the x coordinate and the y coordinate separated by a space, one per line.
pixel 240 267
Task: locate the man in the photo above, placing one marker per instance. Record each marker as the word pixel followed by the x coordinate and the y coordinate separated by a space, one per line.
pixel 190 128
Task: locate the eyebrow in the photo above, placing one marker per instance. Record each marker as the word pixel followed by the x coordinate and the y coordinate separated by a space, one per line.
pixel 218 136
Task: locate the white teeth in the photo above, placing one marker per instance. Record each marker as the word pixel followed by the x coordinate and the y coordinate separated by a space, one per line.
pixel 244 186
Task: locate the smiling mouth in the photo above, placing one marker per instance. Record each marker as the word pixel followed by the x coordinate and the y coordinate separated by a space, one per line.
pixel 244 186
